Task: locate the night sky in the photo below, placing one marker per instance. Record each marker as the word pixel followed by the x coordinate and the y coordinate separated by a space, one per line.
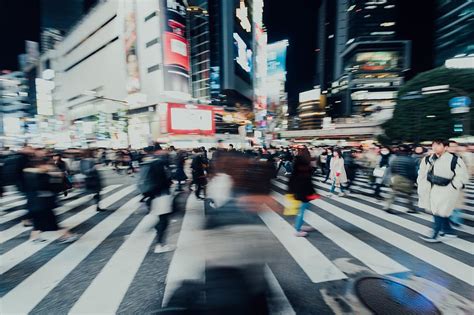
pixel 20 21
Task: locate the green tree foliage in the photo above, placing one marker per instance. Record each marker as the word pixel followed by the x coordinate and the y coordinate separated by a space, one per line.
pixel 410 122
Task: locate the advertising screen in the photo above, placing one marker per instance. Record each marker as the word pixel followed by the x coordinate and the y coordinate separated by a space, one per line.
pixel 133 75
pixel 243 32
pixel 276 58
pixel 377 61
pixel 190 119
pixel 175 46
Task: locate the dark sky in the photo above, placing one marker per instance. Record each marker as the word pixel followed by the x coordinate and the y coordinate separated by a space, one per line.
pixel 297 23
pixel 19 21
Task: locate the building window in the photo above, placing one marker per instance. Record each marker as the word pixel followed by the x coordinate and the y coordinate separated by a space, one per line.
pixel 152 42
pixel 150 16
pixel 153 68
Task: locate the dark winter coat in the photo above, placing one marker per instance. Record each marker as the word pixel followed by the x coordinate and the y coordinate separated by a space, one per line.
pixel 300 184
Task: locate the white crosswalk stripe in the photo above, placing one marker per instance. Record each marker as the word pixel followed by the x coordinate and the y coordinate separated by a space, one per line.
pixel 26 249
pixel 108 290
pixel 24 297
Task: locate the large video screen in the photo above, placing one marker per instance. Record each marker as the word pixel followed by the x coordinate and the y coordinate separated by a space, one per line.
pixel 243 32
pixel 175 46
pixel 377 61
pixel 190 119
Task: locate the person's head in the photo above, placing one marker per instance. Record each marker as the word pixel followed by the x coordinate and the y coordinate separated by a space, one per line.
pixel 197 150
pixel 329 151
pixel 57 157
pixel 172 148
pixel 403 149
pixel 385 151
pixel 337 153
pixel 440 146
pixel 419 150
pixel 231 146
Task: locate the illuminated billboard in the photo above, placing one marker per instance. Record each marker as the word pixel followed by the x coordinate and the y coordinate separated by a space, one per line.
pixel 276 58
pixel 377 61
pixel 133 74
pixel 187 119
pixel 242 35
pixel 175 46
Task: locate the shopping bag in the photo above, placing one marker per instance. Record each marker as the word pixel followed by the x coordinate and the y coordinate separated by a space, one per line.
pixel 314 197
pixel 379 172
pixel 291 205
pixel 162 205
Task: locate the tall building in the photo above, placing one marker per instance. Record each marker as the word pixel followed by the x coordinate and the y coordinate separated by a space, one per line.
pixel 58 17
pixel 199 45
pixel 311 110
pixel 15 106
pixel 454 29
pixel 361 59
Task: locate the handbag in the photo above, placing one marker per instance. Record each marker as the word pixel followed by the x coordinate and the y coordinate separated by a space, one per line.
pixel 313 197
pixel 379 172
pixel 291 205
pixel 162 204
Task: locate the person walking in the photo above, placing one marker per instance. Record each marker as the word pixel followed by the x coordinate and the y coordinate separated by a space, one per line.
pixel 403 176
pixel 337 173
pixel 198 172
pixel 380 173
pixel 441 178
pixel 180 175
pixel 63 167
pixel 93 180
pixel 327 165
pixel 42 183
pixel 301 186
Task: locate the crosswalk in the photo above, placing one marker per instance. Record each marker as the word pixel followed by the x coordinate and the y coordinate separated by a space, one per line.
pixel 112 268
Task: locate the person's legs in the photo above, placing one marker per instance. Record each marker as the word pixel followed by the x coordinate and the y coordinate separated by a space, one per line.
pixel 97 199
pixel 161 227
pixel 300 217
pixel 447 229
pixel 438 225
pixel 333 186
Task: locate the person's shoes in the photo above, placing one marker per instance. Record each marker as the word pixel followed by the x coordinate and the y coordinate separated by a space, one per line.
pixel 391 211
pixel 27 223
pixel 324 181
pixel 100 209
pixel 65 194
pixel 38 240
pixel 341 194
pixel 287 173
pixel 378 197
pixel 163 249
pixel 430 239
pixel 69 239
pixel 448 235
pixel 308 229
pixel 301 234
pixel 329 195
pixel 412 211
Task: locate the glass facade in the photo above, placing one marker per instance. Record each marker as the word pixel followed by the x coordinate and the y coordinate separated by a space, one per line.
pixel 454 29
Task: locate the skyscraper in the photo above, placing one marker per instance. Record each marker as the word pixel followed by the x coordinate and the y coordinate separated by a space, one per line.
pixel 454 29
pixel 361 60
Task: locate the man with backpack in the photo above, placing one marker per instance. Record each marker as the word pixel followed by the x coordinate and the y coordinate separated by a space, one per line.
pixel 441 178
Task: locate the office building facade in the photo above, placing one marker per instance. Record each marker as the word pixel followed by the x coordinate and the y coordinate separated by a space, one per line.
pixel 454 29
pixel 361 60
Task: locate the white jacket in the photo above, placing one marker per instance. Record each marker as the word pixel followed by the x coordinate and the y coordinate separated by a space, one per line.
pixel 441 200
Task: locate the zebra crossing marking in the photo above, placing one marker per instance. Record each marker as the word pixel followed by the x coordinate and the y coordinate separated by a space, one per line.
pixel 25 296
pixel 21 252
pixel 439 260
pixel 314 263
pixel 107 290
pixel 186 263
pixel 371 257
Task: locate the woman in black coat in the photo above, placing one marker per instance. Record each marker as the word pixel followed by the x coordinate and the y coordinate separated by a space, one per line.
pixel 301 186
pixel 42 183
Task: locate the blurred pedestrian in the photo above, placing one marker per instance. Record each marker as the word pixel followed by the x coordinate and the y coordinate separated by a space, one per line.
pixel 337 173
pixel 441 178
pixel 301 187
pixel 198 167
pixel 93 180
pixel 380 173
pixel 63 167
pixel 327 165
pixel 42 183
pixel 403 176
